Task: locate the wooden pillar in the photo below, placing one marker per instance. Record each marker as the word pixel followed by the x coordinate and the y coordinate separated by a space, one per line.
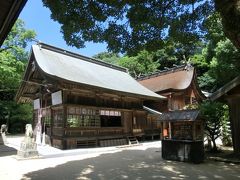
pixel 164 130
pixel 170 130
pixel 234 111
pixel 64 102
pixel 194 131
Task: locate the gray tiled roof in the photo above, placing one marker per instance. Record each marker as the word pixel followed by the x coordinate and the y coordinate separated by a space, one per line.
pixel 179 115
pixel 81 70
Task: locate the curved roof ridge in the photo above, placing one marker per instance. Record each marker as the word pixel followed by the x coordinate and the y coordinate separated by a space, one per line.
pixel 173 80
pixel 161 72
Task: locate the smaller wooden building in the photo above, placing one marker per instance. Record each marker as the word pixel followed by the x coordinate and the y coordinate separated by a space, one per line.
pixel 182 136
pixel 83 102
pixel 182 130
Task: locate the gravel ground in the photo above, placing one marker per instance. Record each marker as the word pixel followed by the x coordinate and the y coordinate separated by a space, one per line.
pixel 136 162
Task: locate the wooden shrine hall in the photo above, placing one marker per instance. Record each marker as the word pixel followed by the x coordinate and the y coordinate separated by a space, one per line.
pixel 182 128
pixel 83 102
pixel 178 84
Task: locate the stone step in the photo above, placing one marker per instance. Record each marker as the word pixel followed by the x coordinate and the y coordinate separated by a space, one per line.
pixel 132 140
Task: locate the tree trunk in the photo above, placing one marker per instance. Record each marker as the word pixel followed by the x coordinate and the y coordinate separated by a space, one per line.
pixel 209 144
pixel 230 13
pixel 214 149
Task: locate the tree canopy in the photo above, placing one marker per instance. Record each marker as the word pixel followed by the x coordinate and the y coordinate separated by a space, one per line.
pixel 214 115
pixel 230 13
pixel 131 26
pixel 13 59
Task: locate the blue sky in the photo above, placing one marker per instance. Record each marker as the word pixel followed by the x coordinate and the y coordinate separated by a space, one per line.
pixel 37 18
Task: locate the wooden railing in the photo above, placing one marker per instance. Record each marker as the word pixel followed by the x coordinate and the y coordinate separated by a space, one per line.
pixel 88 132
pixel 91 132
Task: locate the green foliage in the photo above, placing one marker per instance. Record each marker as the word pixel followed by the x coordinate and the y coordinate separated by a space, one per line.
pixel 225 66
pixel 138 65
pixel 207 82
pixel 214 114
pixel 142 63
pixel 230 13
pixel 15 115
pixel 108 57
pixel 218 63
pixel 130 26
pixel 13 59
pixel 199 61
pixel 11 70
pixel 222 68
pixel 226 128
pixel 17 40
pixel 213 27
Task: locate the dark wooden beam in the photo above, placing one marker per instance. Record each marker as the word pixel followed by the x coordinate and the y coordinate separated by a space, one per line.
pixel 29 95
pixel 39 81
pixel 234 107
pixel 9 12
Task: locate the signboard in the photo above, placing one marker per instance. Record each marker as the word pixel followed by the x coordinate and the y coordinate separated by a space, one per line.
pixel 57 98
pixel 36 104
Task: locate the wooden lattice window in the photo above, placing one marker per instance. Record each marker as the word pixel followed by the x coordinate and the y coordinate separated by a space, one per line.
pixel 82 117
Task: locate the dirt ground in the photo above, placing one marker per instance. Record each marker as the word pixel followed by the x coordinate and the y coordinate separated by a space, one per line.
pixel 138 162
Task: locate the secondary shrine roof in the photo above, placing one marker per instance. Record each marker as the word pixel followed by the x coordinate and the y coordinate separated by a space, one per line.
pixel 179 115
pixel 178 78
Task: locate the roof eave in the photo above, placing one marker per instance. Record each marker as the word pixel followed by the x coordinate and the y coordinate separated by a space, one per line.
pixel 10 19
pixel 225 89
pixel 24 78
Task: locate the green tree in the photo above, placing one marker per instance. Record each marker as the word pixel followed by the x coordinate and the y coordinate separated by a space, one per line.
pixel 226 128
pixel 13 59
pixel 218 62
pixel 223 66
pixel 143 63
pixel 108 57
pixel 230 13
pixel 17 40
pixel 213 114
pixel 135 25
pixel 130 26
pixel 139 65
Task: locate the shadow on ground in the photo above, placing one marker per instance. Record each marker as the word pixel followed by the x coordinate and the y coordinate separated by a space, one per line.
pixel 7 151
pixel 136 164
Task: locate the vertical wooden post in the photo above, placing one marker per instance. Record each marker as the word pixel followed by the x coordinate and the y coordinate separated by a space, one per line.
pixel 234 108
pixel 164 127
pixel 170 130
pixel 194 131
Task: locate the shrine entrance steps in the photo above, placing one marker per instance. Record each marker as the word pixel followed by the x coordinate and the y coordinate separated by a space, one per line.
pixel 132 140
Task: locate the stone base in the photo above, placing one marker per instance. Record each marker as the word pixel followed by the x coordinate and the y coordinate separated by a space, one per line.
pixel 1 140
pixel 27 154
pixel 28 149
